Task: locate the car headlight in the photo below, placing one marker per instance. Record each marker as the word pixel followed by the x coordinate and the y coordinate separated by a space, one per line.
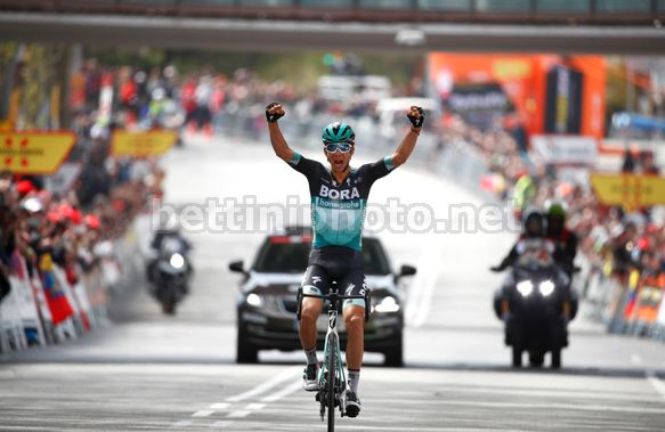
pixel 177 261
pixel 387 304
pixel 254 300
pixel 546 288
pixel 525 288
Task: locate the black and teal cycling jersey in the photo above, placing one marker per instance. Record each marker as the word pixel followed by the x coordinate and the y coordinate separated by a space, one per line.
pixel 338 210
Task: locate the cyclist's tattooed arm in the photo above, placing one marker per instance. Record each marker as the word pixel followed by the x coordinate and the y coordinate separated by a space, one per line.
pixel 416 116
pixel 273 112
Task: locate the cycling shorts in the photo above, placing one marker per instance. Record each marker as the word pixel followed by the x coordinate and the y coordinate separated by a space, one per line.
pixel 336 264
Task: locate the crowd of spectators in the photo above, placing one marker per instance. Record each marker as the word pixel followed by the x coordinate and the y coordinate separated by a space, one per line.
pixel 111 190
pixel 625 238
pixel 66 225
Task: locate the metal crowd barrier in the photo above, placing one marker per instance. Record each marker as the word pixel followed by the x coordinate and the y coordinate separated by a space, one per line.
pixel 28 314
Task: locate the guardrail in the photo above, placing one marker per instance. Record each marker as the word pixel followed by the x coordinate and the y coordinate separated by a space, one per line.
pixel 574 12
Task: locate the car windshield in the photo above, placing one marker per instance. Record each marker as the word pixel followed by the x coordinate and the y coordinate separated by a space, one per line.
pixel 283 257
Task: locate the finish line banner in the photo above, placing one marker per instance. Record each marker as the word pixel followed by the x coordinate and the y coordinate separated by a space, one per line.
pixel 34 152
pixel 630 191
pixel 142 144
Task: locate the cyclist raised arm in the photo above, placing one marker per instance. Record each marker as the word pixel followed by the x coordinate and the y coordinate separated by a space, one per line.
pixel 338 202
pixel 416 116
pixel 274 112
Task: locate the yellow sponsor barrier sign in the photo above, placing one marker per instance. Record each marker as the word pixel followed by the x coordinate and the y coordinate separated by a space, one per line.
pixel 142 144
pixel 34 152
pixel 630 191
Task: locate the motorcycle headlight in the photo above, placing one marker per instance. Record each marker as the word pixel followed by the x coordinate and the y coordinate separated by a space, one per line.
pixel 177 261
pixel 525 288
pixel 387 304
pixel 254 300
pixel 546 288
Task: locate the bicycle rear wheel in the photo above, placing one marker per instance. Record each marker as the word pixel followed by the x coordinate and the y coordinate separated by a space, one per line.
pixel 331 360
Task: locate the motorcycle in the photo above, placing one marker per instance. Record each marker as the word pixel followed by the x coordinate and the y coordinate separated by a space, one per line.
pixel 536 304
pixel 170 273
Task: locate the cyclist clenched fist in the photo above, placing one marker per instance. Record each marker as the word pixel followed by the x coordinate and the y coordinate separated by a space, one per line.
pixel 274 112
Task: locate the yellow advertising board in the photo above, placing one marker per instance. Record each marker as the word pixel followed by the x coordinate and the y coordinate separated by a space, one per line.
pixel 142 144
pixel 630 191
pixel 34 152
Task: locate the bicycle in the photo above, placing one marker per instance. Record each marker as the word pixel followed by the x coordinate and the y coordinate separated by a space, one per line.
pixel 332 386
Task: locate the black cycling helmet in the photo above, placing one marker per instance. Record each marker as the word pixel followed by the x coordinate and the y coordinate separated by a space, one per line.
pixel 534 223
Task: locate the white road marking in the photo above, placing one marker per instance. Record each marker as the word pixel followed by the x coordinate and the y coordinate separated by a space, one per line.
pixel 636 360
pixel 657 384
pixel 364 427
pixel 255 406
pixel 283 392
pixel 239 414
pixel 557 406
pixel 422 288
pixel 426 304
pixel 221 424
pixel 203 413
pixel 181 423
pixel 264 387
pixel 220 406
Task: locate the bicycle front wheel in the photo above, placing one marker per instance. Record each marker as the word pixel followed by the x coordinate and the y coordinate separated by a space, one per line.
pixel 331 360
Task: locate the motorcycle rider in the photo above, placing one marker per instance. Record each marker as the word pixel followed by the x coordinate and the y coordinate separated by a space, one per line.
pixel 336 245
pixel 533 235
pixel 564 239
pixel 171 234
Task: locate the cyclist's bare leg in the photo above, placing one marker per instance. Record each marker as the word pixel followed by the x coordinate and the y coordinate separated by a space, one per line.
pixel 309 313
pixel 354 319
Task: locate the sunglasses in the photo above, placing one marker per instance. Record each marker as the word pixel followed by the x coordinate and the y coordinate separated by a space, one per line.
pixel 341 147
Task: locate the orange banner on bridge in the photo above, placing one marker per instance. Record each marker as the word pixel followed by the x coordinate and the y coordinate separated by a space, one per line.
pixel 34 152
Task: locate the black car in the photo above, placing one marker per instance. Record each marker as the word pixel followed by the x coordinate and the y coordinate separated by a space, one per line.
pixel 268 298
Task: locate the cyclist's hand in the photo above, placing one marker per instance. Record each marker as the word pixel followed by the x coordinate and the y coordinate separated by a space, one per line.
pixel 274 112
pixel 416 116
pixel 496 269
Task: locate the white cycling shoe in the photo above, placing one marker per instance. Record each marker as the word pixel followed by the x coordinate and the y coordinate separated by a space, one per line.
pixel 310 378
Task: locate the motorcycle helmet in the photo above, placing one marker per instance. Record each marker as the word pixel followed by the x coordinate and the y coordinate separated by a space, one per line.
pixel 338 132
pixel 534 223
pixel 555 209
pixel 556 216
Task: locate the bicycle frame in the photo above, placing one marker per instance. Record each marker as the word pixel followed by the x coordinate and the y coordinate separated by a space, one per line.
pixel 332 346
pixel 332 351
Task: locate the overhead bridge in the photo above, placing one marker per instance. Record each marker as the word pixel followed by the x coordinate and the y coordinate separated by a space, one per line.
pixel 564 26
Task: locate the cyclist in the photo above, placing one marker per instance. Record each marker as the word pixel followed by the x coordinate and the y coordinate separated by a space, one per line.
pixel 338 200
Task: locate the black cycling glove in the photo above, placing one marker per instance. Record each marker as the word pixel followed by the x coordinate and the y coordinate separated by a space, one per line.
pixel 272 118
pixel 417 122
